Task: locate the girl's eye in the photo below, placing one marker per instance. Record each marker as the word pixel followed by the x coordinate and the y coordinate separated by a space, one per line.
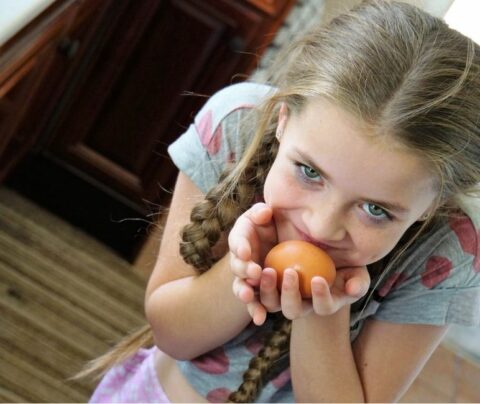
pixel 375 212
pixel 308 172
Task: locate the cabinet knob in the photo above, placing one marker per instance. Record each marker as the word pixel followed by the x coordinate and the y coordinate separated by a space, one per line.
pixel 68 47
pixel 236 44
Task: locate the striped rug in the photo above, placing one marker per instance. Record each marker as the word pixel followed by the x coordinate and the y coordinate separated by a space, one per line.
pixel 64 299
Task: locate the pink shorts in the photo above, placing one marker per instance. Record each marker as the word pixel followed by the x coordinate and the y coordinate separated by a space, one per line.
pixel 134 381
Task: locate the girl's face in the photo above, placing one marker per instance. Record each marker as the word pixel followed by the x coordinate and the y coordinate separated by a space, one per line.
pixel 351 194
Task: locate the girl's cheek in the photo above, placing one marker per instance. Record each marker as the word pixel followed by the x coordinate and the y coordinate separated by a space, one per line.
pixel 267 191
pixel 373 247
pixel 272 186
pixel 281 193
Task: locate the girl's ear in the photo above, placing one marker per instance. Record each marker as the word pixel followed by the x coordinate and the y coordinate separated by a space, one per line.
pixel 282 121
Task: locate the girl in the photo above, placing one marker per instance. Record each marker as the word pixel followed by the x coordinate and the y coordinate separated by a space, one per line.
pixel 365 143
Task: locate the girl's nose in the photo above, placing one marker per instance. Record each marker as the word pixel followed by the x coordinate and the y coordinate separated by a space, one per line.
pixel 327 223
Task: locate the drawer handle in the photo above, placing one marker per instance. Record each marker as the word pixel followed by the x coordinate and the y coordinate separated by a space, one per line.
pixel 237 44
pixel 68 47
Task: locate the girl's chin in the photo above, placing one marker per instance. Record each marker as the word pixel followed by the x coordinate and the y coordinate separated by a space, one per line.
pixel 341 262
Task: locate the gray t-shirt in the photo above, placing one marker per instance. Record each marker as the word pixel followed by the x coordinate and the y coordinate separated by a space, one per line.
pixel 436 281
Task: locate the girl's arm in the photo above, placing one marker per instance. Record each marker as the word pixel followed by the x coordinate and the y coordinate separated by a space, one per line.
pixel 379 367
pixel 390 356
pixel 190 314
pixel 322 364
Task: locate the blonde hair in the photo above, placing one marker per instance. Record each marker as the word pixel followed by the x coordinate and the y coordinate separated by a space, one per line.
pixel 404 73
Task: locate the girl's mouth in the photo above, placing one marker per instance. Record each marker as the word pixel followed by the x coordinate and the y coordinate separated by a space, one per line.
pixel 319 244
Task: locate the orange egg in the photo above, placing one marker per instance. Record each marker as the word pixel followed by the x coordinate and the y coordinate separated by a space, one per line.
pixel 305 258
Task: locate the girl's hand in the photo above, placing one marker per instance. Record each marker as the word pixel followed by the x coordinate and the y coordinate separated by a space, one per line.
pixel 349 286
pixel 249 241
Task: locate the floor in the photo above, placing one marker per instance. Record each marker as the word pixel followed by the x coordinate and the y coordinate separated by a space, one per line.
pixel 448 377
pixel 64 299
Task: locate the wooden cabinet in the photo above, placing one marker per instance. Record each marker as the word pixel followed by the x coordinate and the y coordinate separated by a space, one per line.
pixel 34 67
pixel 128 106
pixel 23 65
pixel 112 86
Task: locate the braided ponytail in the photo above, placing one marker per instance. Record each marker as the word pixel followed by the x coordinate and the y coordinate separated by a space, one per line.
pixel 208 221
pixel 263 367
pixel 236 191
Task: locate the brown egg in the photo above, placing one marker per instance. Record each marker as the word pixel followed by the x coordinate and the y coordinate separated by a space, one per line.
pixel 305 258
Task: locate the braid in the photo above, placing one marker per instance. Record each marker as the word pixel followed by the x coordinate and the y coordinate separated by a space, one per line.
pixel 262 367
pixel 223 204
pixel 208 220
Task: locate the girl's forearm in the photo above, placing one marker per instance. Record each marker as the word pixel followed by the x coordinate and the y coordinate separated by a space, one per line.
pixel 174 310
pixel 322 363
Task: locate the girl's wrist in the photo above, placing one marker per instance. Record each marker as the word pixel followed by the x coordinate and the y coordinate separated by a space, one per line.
pixel 332 323
pixel 322 359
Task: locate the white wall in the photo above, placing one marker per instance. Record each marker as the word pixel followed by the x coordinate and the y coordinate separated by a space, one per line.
pixel 334 7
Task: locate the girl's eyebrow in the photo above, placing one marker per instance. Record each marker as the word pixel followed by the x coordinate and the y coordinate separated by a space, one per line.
pixel 390 206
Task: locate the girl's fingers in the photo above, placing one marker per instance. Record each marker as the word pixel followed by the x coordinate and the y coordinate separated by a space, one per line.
pixel 245 269
pixel 357 281
pixel 257 312
pixel 259 214
pixel 327 301
pixel 356 287
pixel 322 299
pixel 290 298
pixel 238 266
pixel 239 238
pixel 254 272
pixel 239 245
pixel 269 295
pixel 243 291
pixel 245 229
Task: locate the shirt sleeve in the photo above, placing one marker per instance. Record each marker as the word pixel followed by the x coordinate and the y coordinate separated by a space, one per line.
pixel 215 138
pixel 439 283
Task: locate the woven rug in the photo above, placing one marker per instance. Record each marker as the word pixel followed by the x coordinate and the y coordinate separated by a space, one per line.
pixel 64 299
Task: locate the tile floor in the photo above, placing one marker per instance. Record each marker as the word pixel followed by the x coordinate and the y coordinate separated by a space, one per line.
pixel 452 375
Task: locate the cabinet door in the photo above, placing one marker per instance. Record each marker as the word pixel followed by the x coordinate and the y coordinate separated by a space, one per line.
pixel 129 105
pixel 16 93
pixel 34 68
pixel 24 61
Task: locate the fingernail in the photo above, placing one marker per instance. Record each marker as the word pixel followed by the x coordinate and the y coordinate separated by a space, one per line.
pixel 265 281
pixel 288 278
pixel 317 286
pixel 363 289
pixel 258 206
